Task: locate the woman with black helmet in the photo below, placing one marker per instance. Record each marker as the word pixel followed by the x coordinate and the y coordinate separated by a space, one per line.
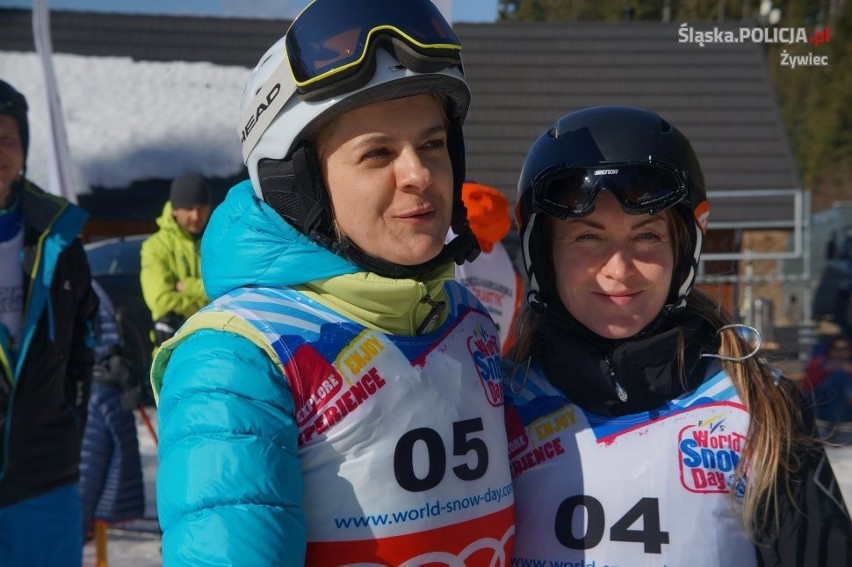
pixel 643 430
pixel 339 401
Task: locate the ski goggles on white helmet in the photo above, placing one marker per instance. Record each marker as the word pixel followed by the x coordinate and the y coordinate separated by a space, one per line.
pixel 329 42
pixel 329 51
pixel 641 188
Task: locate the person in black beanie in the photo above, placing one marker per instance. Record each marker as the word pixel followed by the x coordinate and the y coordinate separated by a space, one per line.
pixel 171 259
pixel 47 314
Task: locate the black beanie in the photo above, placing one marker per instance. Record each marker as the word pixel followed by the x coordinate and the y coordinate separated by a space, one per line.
pixel 189 190
pixel 13 103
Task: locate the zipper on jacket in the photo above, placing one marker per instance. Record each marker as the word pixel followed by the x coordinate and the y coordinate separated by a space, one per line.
pixel 432 316
pixel 619 390
pixel 51 330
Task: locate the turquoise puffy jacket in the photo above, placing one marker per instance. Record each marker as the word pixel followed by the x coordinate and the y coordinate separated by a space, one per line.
pixel 223 400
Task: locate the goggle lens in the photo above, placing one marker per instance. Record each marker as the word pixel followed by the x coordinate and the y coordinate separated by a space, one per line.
pixel 331 36
pixel 640 188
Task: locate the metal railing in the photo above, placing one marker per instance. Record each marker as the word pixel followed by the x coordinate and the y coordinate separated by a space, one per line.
pixel 785 210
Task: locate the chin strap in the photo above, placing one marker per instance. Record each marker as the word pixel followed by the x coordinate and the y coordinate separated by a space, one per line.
pixel 463 248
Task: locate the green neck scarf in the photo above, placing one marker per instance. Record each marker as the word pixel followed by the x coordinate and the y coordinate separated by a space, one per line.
pixel 395 306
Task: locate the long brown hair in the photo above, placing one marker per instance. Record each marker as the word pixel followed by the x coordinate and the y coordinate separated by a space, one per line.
pixel 776 433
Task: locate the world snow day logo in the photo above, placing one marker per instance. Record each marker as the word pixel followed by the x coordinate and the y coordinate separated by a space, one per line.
pixel 766 35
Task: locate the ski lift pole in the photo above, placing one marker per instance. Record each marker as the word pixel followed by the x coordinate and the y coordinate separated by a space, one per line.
pixel 60 179
pixel 100 543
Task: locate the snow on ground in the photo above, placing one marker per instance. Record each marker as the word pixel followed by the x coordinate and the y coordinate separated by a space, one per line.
pixel 139 544
pixel 138 547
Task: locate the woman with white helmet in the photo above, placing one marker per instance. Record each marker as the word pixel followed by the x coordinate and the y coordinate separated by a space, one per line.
pixel 642 428
pixel 339 401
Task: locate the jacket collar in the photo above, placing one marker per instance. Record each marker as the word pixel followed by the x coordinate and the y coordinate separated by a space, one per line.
pixel 621 377
pixel 397 306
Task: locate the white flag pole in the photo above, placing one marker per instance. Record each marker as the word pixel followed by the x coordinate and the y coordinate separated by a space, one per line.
pixel 446 9
pixel 59 176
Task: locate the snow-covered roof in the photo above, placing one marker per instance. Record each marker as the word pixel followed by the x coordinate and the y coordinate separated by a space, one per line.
pixel 128 120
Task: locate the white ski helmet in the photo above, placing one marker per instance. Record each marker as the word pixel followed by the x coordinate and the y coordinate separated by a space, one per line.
pixel 336 56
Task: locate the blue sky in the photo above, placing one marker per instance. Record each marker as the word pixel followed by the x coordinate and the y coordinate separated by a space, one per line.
pixel 462 10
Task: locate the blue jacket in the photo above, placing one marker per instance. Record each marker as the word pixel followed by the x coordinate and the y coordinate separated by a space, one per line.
pixel 217 404
pixel 111 483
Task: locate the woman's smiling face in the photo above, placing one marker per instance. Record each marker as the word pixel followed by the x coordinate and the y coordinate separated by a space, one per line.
pixel 613 269
pixel 388 174
pixel 11 155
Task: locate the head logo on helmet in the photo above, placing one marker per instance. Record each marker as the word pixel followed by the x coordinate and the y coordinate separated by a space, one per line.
pixel 336 56
pixel 254 118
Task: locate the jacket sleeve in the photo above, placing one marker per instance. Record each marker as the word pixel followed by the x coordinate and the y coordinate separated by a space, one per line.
pixel 229 486
pixel 194 292
pixel 815 527
pixel 158 281
pixel 82 355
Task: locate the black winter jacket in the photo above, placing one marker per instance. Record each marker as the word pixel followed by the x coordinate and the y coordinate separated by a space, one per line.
pixel 44 390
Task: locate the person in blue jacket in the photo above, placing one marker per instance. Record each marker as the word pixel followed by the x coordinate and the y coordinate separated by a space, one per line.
pixel 644 428
pixel 339 401
pixel 111 483
pixel 47 313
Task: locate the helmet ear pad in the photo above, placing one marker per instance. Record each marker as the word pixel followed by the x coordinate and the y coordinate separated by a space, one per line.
pixel 540 263
pixel 293 187
pixel 688 237
pixel 459 221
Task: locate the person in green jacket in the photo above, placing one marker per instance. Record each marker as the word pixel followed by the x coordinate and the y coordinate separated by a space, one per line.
pixel 171 259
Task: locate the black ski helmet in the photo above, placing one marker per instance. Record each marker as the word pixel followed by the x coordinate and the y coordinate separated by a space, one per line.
pixel 614 137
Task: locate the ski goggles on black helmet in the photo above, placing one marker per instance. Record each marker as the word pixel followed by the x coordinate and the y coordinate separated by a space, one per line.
pixel 329 44
pixel 641 188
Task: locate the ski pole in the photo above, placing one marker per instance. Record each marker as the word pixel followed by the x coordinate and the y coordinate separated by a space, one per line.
pixel 148 423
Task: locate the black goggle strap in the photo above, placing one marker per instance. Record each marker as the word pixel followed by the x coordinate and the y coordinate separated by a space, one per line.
pixel 265 106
